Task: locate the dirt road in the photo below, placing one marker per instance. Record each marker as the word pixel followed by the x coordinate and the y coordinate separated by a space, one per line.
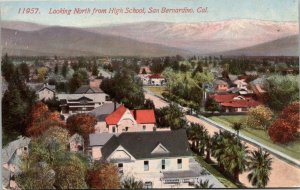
pixel 283 174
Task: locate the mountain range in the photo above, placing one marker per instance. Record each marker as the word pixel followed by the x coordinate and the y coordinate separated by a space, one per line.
pixel 229 37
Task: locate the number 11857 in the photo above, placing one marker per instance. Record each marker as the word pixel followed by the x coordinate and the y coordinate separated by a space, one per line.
pixel 28 11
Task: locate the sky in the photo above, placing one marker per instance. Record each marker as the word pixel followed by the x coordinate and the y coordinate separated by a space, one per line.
pixel 273 10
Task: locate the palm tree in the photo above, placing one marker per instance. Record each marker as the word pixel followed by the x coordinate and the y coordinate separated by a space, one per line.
pixel 230 153
pixel 235 157
pixel 218 145
pixel 237 126
pixel 260 167
pixel 204 185
pixel 131 183
pixel 199 137
pixel 191 134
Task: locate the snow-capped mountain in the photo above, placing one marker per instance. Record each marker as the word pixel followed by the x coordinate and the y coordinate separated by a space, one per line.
pixel 204 37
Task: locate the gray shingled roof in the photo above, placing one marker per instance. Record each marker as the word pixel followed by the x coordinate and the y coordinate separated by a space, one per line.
pixel 10 149
pixel 40 86
pixel 99 139
pixel 102 111
pixel 86 89
pixel 219 81
pixel 141 144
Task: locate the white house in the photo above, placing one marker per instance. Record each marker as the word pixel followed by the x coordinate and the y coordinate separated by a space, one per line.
pixel 43 91
pixel 157 80
pixel 160 159
pixel 83 100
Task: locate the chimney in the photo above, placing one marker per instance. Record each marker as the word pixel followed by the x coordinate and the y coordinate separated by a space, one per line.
pixel 115 105
pixel 134 114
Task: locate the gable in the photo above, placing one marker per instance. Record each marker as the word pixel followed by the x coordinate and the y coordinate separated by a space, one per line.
pixel 90 91
pixel 120 154
pixel 160 149
pixel 127 116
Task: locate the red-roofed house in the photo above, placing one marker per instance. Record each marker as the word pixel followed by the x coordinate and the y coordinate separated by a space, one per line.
pixel 157 80
pixel 125 120
pixel 234 102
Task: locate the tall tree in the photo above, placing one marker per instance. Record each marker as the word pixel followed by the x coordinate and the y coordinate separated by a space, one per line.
pixel 171 117
pixel 260 167
pixel 64 69
pixel 24 70
pixel 7 68
pixel 40 119
pixel 56 68
pixel 279 87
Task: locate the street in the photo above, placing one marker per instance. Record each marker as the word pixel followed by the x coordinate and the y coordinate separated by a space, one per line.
pixel 283 174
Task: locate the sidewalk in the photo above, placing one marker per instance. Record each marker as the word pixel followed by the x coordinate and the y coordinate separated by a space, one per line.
pixel 276 153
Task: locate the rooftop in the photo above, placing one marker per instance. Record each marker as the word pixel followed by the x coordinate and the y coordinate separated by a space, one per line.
pixel 86 89
pixel 141 144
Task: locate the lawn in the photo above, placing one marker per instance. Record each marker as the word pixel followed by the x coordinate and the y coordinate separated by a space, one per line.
pixel 292 149
pixel 158 90
pixel 226 182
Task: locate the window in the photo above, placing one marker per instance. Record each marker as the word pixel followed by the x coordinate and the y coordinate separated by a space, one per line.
pixel 144 127
pixel 114 129
pixel 120 167
pixel 107 98
pixel 163 164
pixel 179 163
pixel 148 185
pixel 126 128
pixel 146 165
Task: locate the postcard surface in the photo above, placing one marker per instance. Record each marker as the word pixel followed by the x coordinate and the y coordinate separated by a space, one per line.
pixel 114 94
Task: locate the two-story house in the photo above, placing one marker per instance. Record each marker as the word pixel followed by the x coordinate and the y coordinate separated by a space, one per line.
pixel 160 159
pixel 125 120
pixel 83 100
pixel 43 91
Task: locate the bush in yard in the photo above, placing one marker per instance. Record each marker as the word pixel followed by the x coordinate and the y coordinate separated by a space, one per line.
pixel 285 128
pixel 259 117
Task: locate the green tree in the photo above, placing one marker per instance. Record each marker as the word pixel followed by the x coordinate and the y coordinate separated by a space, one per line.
pixel 24 70
pixel 42 72
pixel 171 117
pixel 80 77
pixel 211 105
pixel 131 183
pixel 64 69
pixel 231 156
pixel 7 68
pixel 35 175
pixel 237 126
pixel 259 117
pixel 56 68
pixel 125 88
pixel 70 173
pixel 282 86
pixel 95 71
pixel 260 167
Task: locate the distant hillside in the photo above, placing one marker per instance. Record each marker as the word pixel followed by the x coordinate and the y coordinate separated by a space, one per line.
pixel 287 46
pixel 74 42
pixel 152 38
pixel 204 37
pixel 20 25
